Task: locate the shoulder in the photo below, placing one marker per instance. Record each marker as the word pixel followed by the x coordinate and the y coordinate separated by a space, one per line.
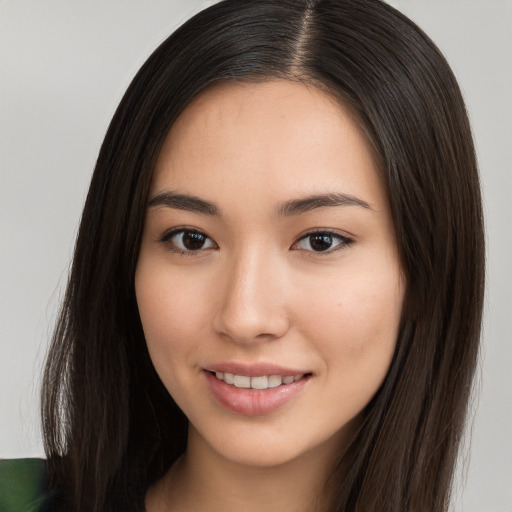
pixel 23 485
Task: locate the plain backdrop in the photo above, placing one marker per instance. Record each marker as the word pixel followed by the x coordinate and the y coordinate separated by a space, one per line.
pixel 63 68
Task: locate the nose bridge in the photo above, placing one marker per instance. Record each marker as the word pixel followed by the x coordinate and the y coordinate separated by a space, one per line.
pixel 252 304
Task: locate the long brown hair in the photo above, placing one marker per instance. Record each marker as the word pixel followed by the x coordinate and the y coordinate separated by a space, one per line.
pixel 110 427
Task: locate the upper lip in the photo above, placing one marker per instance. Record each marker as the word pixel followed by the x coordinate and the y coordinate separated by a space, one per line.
pixel 254 370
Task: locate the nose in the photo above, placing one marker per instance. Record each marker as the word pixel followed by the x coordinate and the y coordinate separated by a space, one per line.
pixel 252 303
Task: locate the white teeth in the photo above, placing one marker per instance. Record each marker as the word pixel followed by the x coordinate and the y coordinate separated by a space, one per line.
pixel 259 382
pixel 242 381
pixel 274 381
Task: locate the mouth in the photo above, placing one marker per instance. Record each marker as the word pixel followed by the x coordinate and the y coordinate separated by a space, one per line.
pixel 264 391
pixel 259 382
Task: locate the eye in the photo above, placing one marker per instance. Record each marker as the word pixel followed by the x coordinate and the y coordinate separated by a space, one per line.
pixel 187 241
pixel 322 241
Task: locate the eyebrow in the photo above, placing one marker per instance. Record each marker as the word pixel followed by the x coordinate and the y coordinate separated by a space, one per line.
pixel 289 208
pixel 306 204
pixel 185 202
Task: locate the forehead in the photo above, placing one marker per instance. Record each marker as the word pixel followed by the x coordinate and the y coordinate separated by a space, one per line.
pixel 263 138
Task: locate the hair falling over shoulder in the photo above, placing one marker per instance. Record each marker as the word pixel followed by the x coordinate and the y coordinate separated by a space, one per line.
pixel 110 427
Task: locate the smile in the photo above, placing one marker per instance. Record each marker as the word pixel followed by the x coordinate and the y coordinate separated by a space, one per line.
pixel 257 382
pixel 265 390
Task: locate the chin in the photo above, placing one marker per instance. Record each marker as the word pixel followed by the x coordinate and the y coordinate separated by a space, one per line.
pixel 265 449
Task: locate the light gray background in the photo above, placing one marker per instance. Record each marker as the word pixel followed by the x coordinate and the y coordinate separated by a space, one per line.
pixel 64 67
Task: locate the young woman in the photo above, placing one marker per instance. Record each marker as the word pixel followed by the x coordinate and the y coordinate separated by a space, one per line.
pixel 276 294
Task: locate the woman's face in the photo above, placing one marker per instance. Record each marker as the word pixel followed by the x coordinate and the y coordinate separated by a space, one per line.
pixel 268 256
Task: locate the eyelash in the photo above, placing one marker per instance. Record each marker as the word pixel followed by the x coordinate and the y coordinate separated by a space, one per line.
pixel 343 241
pixel 166 239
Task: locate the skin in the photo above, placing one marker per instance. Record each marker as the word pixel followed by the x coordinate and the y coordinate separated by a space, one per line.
pixel 257 291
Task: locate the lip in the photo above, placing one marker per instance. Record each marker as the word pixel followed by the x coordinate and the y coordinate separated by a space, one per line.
pixel 254 370
pixel 253 402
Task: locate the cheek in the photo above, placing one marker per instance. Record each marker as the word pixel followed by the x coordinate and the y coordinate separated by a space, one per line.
pixel 170 301
pixel 172 317
pixel 354 327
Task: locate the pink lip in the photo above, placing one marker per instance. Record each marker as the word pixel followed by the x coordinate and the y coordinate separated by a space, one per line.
pixel 254 402
pixel 254 370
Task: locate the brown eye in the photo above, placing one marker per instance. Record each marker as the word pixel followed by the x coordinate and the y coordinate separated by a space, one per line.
pixel 320 242
pixel 323 242
pixel 185 240
pixel 193 241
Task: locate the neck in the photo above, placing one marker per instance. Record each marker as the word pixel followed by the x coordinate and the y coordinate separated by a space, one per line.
pixel 204 480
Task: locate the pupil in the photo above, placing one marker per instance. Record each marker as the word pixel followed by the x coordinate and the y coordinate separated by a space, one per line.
pixel 193 241
pixel 321 242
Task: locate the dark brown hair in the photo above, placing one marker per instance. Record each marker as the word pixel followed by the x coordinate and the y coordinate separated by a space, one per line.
pixel 110 426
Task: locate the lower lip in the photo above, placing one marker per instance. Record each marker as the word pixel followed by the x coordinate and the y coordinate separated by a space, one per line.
pixel 253 402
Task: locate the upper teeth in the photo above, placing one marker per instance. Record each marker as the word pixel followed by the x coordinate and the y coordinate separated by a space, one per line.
pixel 260 382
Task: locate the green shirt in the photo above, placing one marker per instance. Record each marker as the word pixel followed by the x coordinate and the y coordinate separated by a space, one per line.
pixel 23 486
